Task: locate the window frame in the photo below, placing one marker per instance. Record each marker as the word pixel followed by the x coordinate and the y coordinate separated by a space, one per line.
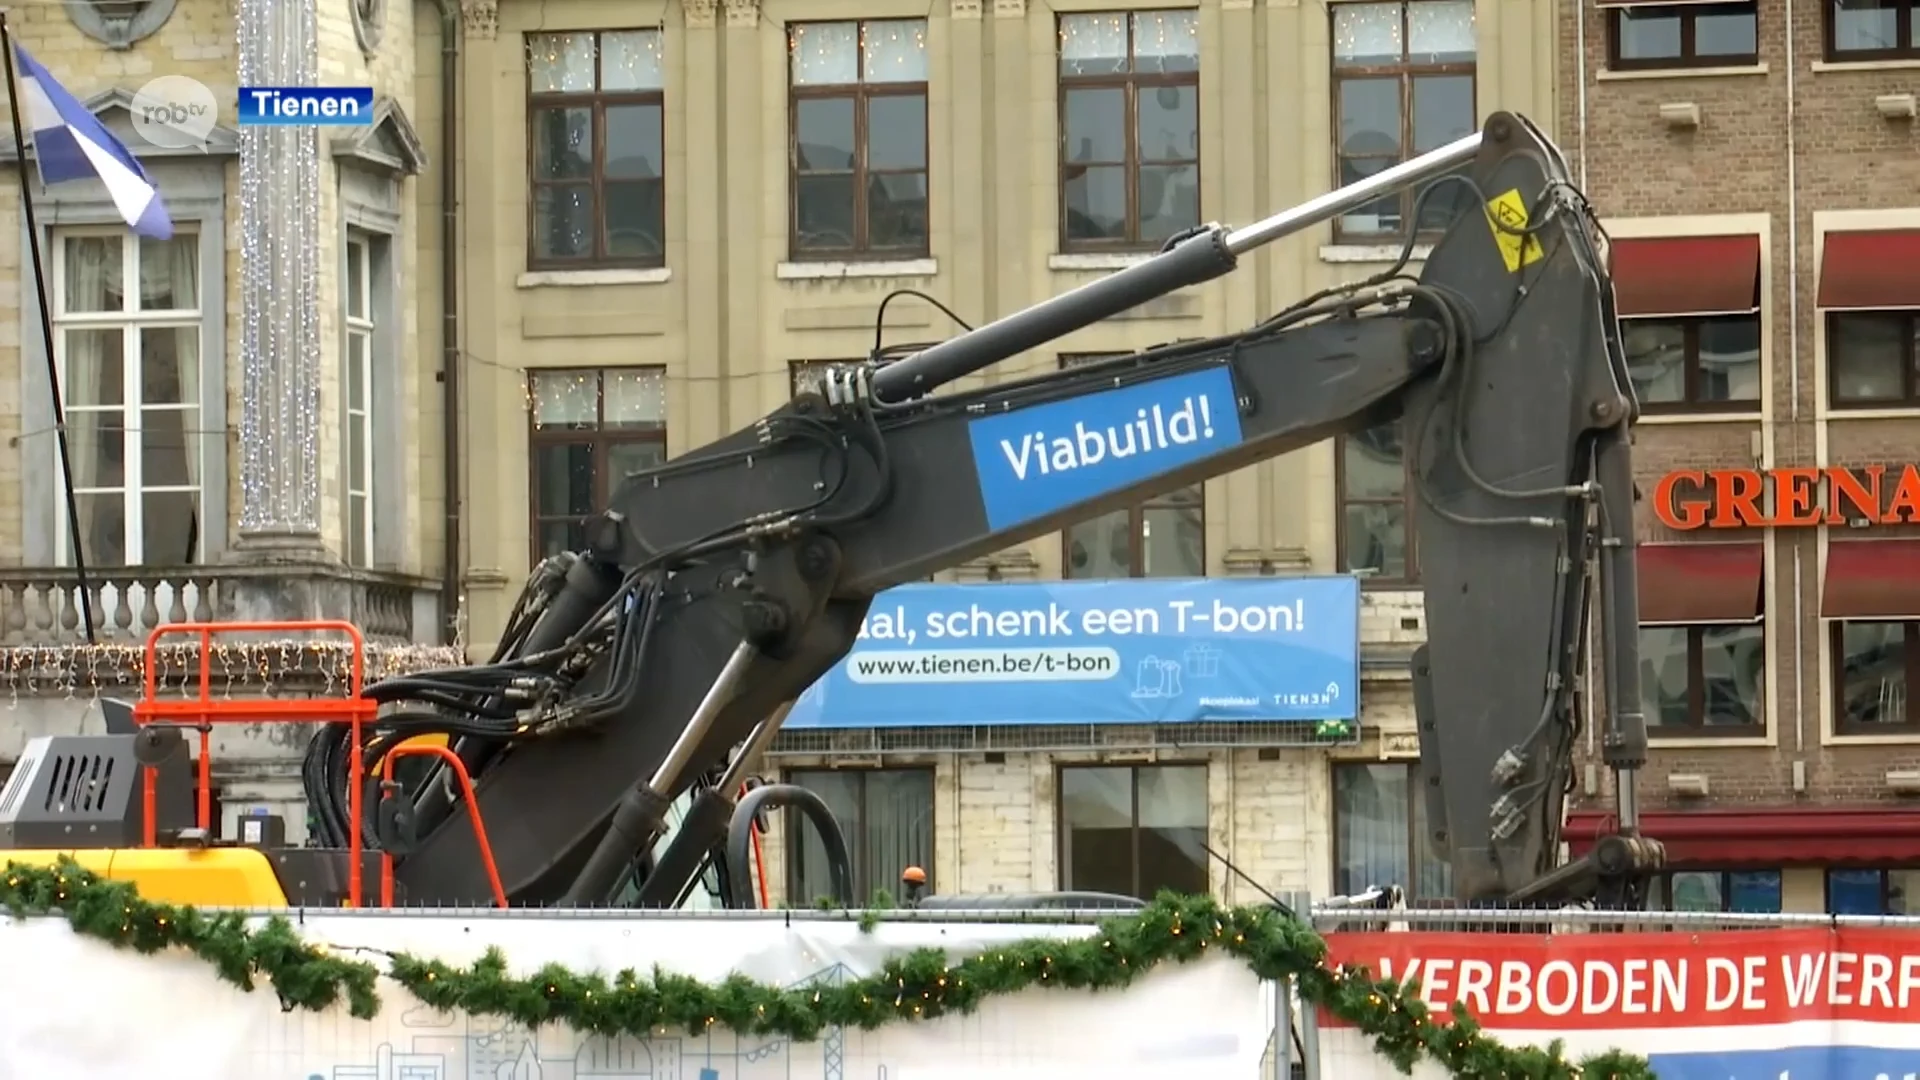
pixel 1408 502
pixel 1690 403
pixel 1905 15
pixel 1910 355
pixel 599 437
pixel 358 415
pixel 1696 726
pixel 1406 71
pixel 1063 827
pixel 1130 83
pixel 792 836
pixel 1910 665
pixel 1886 873
pixel 131 321
pixel 1663 881
pixel 862 93
pixel 597 101
pixel 1136 513
pixel 1689 58
pixel 1416 840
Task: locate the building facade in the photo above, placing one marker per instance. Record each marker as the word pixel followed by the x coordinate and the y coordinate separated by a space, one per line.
pixel 663 222
pixel 1754 166
pixel 791 163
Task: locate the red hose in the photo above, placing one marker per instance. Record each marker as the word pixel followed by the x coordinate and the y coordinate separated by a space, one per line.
pixel 759 862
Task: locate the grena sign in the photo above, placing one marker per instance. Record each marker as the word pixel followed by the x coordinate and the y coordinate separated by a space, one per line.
pixel 1037 461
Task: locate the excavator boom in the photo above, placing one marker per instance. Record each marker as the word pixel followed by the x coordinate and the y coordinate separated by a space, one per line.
pixel 659 662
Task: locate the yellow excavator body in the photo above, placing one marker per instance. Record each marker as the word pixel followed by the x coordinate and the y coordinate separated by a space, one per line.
pixel 235 877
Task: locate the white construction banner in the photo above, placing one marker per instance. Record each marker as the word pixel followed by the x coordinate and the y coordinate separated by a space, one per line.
pixel 1816 1003
pixel 74 1007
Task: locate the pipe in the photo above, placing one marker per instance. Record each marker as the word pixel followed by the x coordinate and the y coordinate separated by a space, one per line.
pixel 740 834
pixel 452 28
pixel 1580 95
pixel 1793 380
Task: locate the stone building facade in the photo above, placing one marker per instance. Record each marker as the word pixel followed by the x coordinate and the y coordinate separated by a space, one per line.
pixel 1754 164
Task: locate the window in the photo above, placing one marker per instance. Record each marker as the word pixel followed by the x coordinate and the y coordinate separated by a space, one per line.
pixel 1871 359
pixel 1403 85
pixel 859 184
pixel 1704 680
pixel 590 430
pixel 887 818
pixel 1376 523
pixel 596 157
pixel 1872 30
pixel 1873 667
pixel 1133 831
pixel 1165 536
pixel 1689 365
pixel 126 314
pixel 1873 891
pixel 1129 129
pixel 1683 35
pixel 1755 892
pixel 358 400
pixel 1380 832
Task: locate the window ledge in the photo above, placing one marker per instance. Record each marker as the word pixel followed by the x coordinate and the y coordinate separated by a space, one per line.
pixel 1370 253
pixel 574 279
pixel 1831 413
pixel 1656 742
pixel 1637 75
pixel 1822 66
pixel 1106 260
pixel 1909 738
pixel 1702 418
pixel 872 268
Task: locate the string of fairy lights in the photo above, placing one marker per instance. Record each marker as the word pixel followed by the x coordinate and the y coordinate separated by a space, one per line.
pixel 248 669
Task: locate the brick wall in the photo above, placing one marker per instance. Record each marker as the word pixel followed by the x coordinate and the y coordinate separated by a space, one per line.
pixel 1746 157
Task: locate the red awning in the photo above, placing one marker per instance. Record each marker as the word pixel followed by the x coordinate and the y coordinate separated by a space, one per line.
pixel 1767 836
pixel 1692 275
pixel 1693 583
pixel 1867 270
pixel 1872 579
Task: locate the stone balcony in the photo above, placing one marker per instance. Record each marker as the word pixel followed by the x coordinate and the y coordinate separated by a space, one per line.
pixel 41 606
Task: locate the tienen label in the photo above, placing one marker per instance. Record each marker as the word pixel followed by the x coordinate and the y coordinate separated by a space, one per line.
pixel 1041 460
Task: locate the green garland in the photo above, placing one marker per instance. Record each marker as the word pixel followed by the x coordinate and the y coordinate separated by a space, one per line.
pixel 918 985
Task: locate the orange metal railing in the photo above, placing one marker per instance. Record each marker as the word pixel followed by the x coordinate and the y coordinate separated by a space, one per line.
pixel 453 762
pixel 202 710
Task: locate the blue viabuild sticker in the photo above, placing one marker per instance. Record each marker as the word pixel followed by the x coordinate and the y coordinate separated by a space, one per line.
pixel 1038 461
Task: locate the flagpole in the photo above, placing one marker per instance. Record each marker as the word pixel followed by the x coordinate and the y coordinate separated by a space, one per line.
pixel 46 335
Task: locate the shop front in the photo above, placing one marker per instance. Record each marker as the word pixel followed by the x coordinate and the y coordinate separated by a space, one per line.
pixel 1778 642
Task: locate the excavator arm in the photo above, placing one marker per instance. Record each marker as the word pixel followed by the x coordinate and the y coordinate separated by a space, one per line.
pixel 722 584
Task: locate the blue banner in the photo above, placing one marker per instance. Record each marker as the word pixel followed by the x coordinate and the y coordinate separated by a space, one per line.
pixel 1098 652
pixel 1036 461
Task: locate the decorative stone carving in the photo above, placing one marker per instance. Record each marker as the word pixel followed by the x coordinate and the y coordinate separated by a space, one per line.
pixel 743 14
pixel 369 19
pixel 964 9
pixel 1009 9
pixel 700 13
pixel 118 24
pixel 481 18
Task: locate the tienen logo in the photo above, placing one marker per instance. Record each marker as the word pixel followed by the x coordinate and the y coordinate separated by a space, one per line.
pixel 1036 462
pixel 1152 429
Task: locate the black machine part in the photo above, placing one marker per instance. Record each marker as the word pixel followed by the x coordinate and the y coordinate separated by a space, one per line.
pixel 722 584
pixel 86 791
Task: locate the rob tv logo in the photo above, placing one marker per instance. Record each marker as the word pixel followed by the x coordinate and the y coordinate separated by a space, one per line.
pixel 306 106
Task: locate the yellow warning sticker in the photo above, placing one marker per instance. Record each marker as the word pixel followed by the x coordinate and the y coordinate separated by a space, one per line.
pixel 1507 216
